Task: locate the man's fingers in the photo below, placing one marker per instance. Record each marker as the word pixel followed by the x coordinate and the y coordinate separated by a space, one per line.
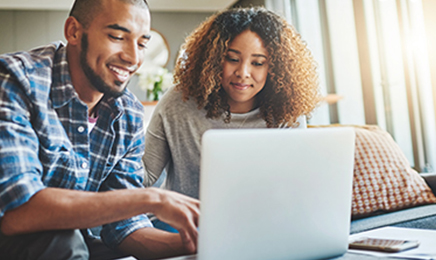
pixel 183 213
pixel 196 217
pixel 195 213
pixel 188 241
pixel 186 238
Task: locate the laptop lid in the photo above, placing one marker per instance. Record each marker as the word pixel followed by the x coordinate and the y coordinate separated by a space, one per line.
pixel 275 193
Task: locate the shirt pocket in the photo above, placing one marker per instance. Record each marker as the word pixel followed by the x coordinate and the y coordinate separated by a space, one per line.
pixel 62 167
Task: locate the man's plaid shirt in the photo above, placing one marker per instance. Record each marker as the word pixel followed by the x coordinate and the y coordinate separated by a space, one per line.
pixel 44 140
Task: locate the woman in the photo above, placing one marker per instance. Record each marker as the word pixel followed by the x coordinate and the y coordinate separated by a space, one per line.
pixel 241 68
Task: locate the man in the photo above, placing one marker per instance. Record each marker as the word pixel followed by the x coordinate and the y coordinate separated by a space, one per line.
pixel 71 145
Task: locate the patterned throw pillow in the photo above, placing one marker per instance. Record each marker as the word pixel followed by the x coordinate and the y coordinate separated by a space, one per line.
pixel 383 179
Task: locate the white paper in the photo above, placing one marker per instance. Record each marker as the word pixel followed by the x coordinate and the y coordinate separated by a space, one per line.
pixel 426 249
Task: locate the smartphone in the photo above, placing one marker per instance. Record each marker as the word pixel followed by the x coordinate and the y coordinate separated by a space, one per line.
pixel 384 245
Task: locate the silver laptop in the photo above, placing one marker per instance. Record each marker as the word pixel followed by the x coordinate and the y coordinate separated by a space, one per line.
pixel 275 193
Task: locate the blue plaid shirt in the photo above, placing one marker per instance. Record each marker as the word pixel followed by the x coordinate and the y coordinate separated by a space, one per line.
pixel 45 142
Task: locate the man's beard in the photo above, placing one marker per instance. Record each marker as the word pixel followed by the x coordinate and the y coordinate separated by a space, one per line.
pixel 95 79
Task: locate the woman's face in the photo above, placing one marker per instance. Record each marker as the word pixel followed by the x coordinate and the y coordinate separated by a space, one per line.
pixel 245 71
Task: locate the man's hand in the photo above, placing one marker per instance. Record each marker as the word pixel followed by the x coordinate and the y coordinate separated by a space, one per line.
pixel 181 212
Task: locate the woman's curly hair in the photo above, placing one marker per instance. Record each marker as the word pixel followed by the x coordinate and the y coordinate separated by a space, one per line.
pixel 291 89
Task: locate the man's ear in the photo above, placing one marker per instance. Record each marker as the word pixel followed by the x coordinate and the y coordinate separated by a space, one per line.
pixel 73 31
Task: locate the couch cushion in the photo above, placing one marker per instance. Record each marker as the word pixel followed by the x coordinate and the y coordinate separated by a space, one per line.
pixel 383 179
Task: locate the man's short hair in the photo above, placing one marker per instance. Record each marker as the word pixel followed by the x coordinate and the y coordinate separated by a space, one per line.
pixel 85 10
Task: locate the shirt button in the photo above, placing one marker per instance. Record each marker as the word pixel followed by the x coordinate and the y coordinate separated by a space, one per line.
pixel 84 165
pixel 81 129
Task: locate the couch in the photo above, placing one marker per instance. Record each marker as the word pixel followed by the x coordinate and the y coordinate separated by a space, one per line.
pixel 416 217
pixel 386 190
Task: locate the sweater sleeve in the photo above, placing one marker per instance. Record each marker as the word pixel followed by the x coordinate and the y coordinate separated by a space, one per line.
pixel 157 152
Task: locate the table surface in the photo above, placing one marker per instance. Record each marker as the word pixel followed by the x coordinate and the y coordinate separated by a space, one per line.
pixel 346 256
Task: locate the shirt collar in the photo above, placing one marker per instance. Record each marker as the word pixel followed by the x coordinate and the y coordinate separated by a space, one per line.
pixel 62 90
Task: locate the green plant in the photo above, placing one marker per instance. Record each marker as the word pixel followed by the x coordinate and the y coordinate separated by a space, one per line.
pixel 155 81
